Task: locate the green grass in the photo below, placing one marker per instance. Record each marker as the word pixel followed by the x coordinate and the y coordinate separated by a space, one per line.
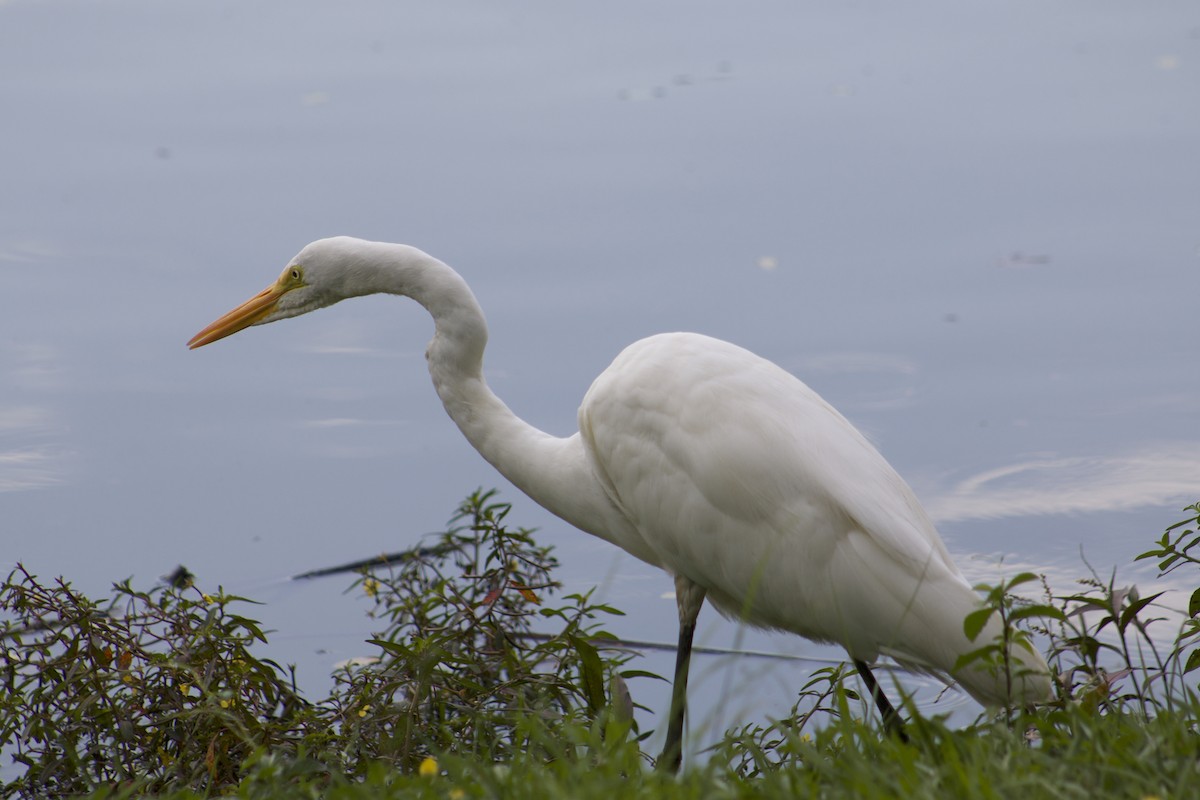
pixel 1078 758
pixel 490 684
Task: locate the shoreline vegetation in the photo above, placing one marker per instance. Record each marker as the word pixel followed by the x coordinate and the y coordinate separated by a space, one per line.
pixel 487 682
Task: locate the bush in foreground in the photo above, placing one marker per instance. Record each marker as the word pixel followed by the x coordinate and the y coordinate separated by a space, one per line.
pixel 156 690
pixel 472 696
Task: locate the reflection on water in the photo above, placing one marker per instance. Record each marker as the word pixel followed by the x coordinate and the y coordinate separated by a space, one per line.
pixel 1153 476
pixel 27 460
pixel 24 251
pixel 32 367
pixel 25 468
pixel 31 453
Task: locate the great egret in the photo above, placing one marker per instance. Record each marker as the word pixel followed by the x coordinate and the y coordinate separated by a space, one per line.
pixel 707 461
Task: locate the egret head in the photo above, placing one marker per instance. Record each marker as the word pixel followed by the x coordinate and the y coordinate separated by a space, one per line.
pixel 320 275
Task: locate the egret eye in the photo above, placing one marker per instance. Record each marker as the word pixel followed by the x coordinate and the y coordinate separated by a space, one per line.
pixel 292 277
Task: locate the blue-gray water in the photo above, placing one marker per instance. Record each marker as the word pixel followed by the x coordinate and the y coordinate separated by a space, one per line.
pixel 975 230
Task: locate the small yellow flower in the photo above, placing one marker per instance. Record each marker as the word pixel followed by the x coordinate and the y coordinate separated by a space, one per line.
pixel 457 794
pixel 371 587
pixel 208 598
pixel 428 768
pixel 226 703
pixel 362 712
pixel 185 688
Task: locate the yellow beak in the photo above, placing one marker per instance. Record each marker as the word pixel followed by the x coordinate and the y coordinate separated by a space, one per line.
pixel 241 317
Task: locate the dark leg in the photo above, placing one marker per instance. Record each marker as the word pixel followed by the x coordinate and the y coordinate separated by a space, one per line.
pixel 891 720
pixel 689 598
pixel 672 754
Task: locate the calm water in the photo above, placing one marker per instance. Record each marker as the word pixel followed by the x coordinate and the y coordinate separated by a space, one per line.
pixel 975 231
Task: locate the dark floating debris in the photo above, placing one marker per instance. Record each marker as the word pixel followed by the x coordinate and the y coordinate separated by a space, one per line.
pixel 363 564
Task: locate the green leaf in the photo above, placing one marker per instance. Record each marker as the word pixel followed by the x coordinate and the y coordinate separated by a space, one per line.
pixel 1165 564
pixel 1133 608
pixel 1024 577
pixel 976 620
pixel 592 673
pixel 394 648
pixel 616 612
pixel 1086 602
pixel 1193 661
pixel 1041 611
pixel 981 654
pixel 1194 604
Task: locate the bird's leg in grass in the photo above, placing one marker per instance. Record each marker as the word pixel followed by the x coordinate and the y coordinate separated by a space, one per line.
pixel 689 597
pixel 891 719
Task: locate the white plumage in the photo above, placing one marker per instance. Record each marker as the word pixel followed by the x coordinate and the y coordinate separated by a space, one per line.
pixel 701 458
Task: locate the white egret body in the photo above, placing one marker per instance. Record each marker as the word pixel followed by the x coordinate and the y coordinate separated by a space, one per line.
pixel 707 461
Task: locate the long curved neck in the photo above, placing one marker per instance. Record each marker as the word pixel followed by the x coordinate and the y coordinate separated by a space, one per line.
pixel 551 470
